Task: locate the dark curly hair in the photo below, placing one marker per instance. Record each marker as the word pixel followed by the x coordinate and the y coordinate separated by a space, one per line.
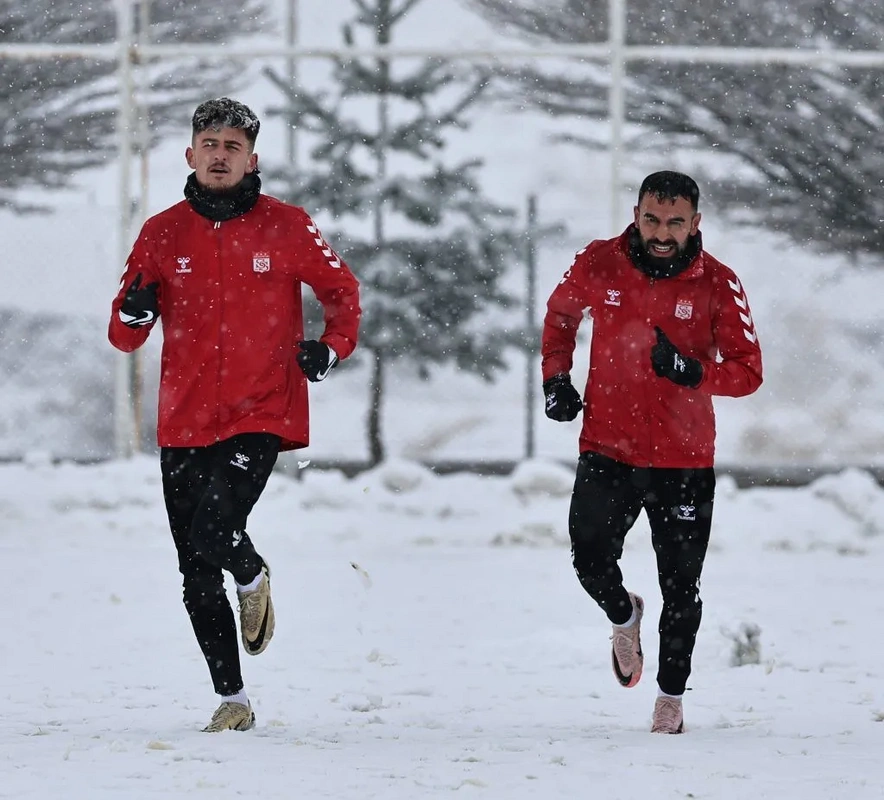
pixel 668 185
pixel 222 112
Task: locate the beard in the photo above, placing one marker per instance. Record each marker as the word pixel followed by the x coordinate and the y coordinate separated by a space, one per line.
pixel 662 262
pixel 221 191
pixel 662 267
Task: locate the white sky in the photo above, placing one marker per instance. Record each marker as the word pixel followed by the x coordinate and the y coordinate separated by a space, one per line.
pixel 462 659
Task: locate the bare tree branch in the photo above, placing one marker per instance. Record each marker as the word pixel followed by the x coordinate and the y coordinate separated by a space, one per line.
pixel 58 116
pixel 808 137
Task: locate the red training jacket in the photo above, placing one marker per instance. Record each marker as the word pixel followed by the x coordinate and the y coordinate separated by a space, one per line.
pixel 630 414
pixel 230 305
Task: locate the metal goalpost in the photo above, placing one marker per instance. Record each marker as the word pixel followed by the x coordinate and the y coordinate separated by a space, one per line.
pixel 128 52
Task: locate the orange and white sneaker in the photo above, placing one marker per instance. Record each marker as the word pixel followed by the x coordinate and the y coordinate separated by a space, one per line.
pixel 626 651
pixel 668 715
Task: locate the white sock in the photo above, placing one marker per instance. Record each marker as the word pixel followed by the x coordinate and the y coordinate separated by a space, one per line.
pixel 251 586
pixel 630 622
pixel 240 697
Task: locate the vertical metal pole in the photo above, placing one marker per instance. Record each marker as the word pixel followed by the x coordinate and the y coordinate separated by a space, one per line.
pixel 140 108
pixel 124 416
pixel 530 302
pixel 616 101
pixel 143 111
pixel 291 38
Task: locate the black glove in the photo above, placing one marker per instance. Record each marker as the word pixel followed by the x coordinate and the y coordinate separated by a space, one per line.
pixel 669 363
pixel 140 306
pixel 563 401
pixel 316 360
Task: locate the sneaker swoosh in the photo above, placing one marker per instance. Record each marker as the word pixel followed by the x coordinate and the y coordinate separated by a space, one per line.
pixel 247 723
pixel 262 631
pixel 624 679
pixel 146 318
pixel 321 376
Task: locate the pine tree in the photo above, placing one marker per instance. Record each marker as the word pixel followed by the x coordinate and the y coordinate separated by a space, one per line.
pixel 428 248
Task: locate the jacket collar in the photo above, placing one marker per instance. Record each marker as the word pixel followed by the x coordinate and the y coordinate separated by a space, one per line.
pixel 219 206
pixel 631 249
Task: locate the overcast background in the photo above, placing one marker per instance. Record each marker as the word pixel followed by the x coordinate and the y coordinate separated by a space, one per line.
pixel 817 313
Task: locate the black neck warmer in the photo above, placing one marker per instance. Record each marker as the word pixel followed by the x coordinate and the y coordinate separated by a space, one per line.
pixel 662 267
pixel 220 206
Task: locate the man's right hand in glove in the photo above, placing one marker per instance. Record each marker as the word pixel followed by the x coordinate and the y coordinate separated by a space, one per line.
pixel 668 362
pixel 140 306
pixel 563 401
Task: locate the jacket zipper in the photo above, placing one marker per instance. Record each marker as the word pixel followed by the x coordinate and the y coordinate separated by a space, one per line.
pixel 650 444
pixel 218 256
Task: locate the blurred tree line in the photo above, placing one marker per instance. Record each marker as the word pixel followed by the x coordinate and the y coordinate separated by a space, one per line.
pixel 59 114
pixel 429 247
pixel 805 136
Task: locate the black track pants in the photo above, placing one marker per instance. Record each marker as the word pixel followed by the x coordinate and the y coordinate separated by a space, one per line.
pixel 608 497
pixel 209 493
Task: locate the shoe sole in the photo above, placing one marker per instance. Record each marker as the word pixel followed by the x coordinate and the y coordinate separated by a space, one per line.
pixel 247 725
pixel 671 733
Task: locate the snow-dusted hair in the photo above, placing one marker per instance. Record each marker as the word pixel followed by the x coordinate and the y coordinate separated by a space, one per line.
pixel 222 112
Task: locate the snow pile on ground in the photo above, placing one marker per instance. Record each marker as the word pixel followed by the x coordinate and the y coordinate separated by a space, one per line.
pixel 431 639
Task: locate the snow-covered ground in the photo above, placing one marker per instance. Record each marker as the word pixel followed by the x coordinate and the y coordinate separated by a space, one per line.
pixel 432 641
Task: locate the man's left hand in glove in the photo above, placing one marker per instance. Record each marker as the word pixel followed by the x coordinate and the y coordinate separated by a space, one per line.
pixel 316 360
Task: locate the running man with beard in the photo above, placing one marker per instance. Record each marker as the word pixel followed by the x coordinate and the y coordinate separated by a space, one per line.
pixel 223 270
pixel 671 328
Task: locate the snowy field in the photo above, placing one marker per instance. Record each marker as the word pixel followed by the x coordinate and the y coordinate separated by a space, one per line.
pixel 459 658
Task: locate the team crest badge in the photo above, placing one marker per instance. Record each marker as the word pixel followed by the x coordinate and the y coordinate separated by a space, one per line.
pixel 261 262
pixel 684 309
